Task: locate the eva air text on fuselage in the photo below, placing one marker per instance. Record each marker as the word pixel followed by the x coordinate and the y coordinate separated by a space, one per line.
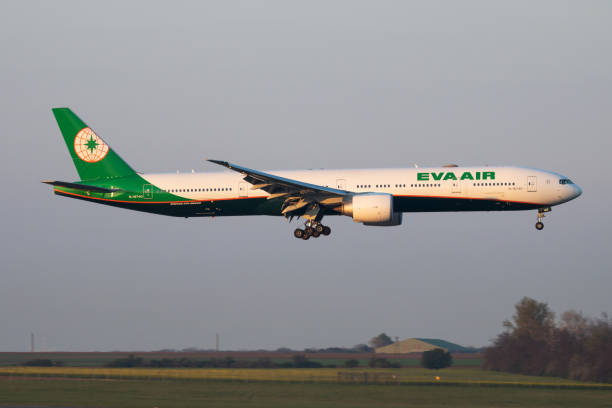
pixel 449 175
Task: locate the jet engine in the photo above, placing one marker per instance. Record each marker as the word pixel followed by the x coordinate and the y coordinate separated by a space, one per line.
pixel 396 219
pixel 372 209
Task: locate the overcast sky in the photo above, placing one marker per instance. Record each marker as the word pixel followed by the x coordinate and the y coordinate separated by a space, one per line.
pixel 282 85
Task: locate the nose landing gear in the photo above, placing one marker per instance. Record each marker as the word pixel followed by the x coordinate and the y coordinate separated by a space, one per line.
pixel 540 225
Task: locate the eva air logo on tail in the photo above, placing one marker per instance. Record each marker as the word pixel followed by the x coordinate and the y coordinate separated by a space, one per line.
pixel 89 147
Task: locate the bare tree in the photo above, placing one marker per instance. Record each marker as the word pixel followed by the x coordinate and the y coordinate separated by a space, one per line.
pixel 533 319
pixel 574 322
pixel 579 347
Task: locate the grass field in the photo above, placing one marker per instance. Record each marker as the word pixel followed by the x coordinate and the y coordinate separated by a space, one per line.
pixel 187 394
pixel 410 376
pixel 464 376
pixel 321 387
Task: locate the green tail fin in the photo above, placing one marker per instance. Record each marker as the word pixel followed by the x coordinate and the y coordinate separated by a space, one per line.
pixel 92 157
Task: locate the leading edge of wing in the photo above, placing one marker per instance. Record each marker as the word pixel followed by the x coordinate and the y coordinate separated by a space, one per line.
pixel 267 177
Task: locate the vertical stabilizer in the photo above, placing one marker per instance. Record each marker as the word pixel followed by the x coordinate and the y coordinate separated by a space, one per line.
pixel 92 157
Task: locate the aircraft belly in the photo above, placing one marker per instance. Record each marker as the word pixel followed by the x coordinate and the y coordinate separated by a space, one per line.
pixel 262 206
pixel 439 204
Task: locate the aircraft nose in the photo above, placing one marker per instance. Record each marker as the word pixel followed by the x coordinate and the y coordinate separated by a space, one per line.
pixel 576 191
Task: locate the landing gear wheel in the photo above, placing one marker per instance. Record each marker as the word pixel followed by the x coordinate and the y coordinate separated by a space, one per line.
pixel 306 236
pixel 308 230
pixel 326 230
pixel 541 214
pixel 316 233
pixel 319 228
pixel 298 233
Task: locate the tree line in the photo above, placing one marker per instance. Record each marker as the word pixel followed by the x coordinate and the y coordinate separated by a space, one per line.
pixel 533 343
pixel 297 361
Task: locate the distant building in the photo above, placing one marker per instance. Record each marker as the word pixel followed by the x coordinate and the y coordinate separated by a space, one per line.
pixel 420 345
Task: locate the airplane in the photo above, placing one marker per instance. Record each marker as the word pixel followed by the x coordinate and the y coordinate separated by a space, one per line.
pixel 373 197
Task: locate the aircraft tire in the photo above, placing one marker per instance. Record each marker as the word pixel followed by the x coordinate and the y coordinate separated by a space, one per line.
pixel 326 230
pixel 539 226
pixel 298 233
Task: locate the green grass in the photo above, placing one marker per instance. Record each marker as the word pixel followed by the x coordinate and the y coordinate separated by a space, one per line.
pixel 187 394
pixel 413 375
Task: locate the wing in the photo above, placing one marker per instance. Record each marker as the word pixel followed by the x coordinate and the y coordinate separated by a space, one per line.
pixel 300 198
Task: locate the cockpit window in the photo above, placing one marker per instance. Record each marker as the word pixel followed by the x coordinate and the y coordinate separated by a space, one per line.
pixel 565 181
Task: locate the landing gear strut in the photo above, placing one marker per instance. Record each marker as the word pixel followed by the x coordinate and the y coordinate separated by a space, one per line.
pixel 540 225
pixel 312 229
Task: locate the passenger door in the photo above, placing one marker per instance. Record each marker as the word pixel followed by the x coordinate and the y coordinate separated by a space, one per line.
pixel 243 190
pixel 456 186
pixel 532 184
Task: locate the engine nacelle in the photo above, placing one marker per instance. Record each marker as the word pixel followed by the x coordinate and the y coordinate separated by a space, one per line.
pixel 395 220
pixel 372 209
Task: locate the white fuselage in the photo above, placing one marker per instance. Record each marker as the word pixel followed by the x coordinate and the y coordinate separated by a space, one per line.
pixel 508 184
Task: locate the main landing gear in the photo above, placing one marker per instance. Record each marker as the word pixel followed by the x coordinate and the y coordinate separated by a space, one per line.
pixel 540 225
pixel 312 229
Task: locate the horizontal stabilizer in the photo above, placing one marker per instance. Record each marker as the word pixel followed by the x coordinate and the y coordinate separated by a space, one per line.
pixel 83 187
